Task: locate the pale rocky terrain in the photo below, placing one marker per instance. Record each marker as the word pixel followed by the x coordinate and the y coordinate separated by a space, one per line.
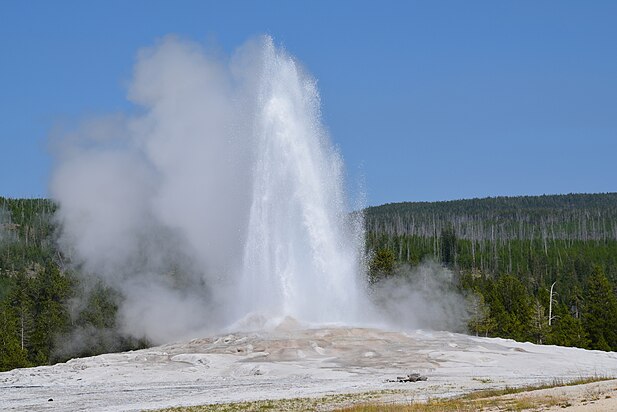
pixel 290 361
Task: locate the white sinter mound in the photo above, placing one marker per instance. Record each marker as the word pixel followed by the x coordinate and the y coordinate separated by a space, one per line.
pixel 289 361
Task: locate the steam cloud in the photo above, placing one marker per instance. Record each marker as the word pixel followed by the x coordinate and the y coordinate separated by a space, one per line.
pixel 221 197
pixel 423 297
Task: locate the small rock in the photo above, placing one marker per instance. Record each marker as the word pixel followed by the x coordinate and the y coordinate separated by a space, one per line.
pixel 412 377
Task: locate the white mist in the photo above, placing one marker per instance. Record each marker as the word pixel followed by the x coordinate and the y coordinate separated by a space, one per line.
pixel 221 198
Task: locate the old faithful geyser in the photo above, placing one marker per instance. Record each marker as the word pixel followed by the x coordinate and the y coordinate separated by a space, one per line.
pixel 222 197
pixel 301 256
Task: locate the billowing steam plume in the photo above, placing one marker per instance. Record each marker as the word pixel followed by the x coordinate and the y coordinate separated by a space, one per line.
pixel 220 198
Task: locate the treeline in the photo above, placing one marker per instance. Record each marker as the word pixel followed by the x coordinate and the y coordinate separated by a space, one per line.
pixel 508 252
pixel 44 309
pixel 569 217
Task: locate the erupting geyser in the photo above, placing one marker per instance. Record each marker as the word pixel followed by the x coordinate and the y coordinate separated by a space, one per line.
pixel 220 198
pixel 301 254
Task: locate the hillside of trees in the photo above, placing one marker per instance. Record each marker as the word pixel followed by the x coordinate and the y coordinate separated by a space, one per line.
pixel 567 217
pixel 507 252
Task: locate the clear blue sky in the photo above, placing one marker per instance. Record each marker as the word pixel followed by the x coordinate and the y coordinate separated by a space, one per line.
pixel 430 100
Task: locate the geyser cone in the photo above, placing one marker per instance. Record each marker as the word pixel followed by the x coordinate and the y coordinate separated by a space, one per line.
pixel 302 256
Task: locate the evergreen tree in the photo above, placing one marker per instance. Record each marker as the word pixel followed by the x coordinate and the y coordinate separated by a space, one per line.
pixel 566 330
pixel 448 245
pixel 50 291
pixel 381 265
pixel 600 311
pixel 12 355
pixel 512 303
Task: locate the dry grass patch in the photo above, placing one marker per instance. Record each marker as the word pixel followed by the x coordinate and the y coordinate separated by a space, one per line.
pixel 483 400
pixel 491 399
pixel 460 405
pixel 323 403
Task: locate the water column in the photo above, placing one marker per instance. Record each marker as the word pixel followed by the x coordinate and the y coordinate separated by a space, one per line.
pixel 303 252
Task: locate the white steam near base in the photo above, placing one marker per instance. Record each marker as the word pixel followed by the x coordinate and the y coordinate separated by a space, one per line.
pixel 220 197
